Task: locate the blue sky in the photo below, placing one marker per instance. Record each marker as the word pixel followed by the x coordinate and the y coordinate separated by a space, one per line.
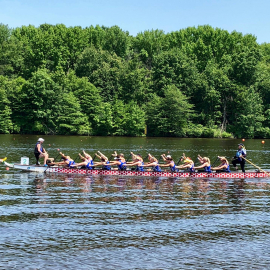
pixel 246 16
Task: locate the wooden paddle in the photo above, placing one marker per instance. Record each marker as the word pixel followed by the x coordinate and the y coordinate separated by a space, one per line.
pixel 256 166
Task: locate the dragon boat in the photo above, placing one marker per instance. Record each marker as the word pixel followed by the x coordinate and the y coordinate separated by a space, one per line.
pixel 183 174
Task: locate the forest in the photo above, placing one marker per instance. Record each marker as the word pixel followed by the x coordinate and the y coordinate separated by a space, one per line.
pixel 195 82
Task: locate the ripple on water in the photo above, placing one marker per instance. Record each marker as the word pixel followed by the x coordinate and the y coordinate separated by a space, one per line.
pixel 132 223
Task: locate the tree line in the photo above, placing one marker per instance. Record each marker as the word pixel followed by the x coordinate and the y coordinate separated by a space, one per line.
pixel 195 82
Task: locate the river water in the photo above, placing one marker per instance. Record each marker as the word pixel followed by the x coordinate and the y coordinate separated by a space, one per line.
pixel 73 222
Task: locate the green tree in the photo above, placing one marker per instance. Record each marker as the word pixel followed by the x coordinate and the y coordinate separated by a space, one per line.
pixel 148 44
pixel 248 113
pixel 128 119
pixel 103 70
pixel 168 116
pixel 70 119
pixel 5 111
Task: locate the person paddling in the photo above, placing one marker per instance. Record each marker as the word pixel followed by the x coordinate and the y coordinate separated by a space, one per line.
pixel 188 164
pixel 87 162
pixel 169 163
pixel 206 164
pixel 120 161
pixel 238 158
pixel 224 166
pixel 104 161
pixel 137 161
pixel 40 152
pixel 68 161
pixel 153 162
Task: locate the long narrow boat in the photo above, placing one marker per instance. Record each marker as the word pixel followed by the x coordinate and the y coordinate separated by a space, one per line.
pixel 41 169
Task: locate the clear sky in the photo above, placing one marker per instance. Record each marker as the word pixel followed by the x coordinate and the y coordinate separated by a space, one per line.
pixel 246 16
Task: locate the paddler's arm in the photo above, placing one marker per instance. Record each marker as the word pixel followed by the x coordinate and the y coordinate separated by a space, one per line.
pixel 102 155
pixel 202 166
pixel 132 155
pixel 163 157
pixel 87 155
pixel 78 164
pixel 97 155
pixel 220 167
pixel 182 166
pixel 164 165
pixel 132 164
pixel 183 157
pixel 113 163
pixel 99 163
pixel 149 164
pixel 65 157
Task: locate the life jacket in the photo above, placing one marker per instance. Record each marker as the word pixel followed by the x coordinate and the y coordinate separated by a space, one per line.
pixel 173 169
pixel 121 166
pixel 240 152
pixel 106 167
pixel 36 149
pixel 139 168
pixel 191 169
pixel 89 165
pixel 70 162
pixel 228 168
pixel 207 169
pixel 156 168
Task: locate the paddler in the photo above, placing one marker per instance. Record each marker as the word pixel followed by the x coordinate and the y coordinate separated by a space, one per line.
pixel 224 166
pixel 40 152
pixel 238 158
pixel 120 161
pixel 153 162
pixel 188 164
pixel 135 157
pixel 68 161
pixel 206 164
pixel 104 161
pixel 87 162
pixel 169 162
pixel 137 161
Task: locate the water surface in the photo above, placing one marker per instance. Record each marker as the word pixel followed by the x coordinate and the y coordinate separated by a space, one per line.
pixel 74 222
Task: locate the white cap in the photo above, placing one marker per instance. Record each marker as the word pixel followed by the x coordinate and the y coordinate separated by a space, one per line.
pixel 168 156
pixel 41 140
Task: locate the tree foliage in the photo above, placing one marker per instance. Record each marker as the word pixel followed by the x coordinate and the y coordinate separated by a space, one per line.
pixel 198 81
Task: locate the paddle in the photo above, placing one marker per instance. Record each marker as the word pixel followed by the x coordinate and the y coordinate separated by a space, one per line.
pixel 256 166
pixel 3 159
pixel 76 158
pixel 57 155
pixel 215 162
pixel 179 160
pixel 128 157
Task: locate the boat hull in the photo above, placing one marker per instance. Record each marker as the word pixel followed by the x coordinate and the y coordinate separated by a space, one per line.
pixel 41 169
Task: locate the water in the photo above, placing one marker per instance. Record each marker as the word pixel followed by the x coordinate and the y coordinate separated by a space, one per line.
pixel 74 222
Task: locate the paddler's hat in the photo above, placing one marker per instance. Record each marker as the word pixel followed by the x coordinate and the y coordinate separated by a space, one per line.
pixel 41 140
pixel 240 144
